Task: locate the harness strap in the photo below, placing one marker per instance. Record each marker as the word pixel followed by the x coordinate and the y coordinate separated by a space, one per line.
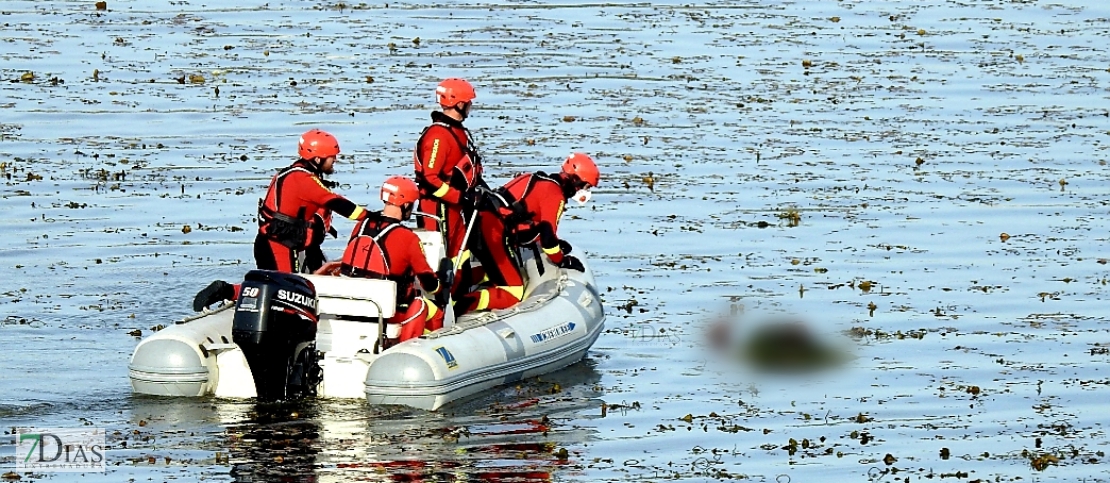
pixel 466 148
pixel 290 231
pixel 536 258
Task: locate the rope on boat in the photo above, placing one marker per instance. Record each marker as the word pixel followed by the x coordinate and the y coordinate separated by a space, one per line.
pixel 227 304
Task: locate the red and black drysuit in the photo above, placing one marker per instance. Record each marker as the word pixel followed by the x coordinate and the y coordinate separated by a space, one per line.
pixel 383 248
pixel 447 169
pixel 529 210
pixel 286 226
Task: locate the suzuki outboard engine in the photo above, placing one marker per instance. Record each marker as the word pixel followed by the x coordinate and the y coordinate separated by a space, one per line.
pixel 275 326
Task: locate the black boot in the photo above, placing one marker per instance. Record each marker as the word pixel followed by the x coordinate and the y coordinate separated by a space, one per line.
pixel 215 292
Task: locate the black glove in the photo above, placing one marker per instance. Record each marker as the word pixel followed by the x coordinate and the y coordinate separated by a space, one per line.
pixel 466 204
pixel 483 201
pixel 333 232
pixel 440 298
pixel 565 246
pixel 329 184
pixel 572 263
pixel 215 292
pixel 446 274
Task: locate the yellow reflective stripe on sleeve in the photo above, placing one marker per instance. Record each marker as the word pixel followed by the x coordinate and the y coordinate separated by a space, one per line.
pixel 483 299
pixel 514 290
pixel 432 310
pixel 439 193
pixel 461 259
pixel 435 152
pixel 551 251
pixel 357 213
pixel 559 213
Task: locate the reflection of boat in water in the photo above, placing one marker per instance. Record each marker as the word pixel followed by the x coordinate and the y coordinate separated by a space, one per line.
pixel 281 442
pixel 270 343
pixel 421 471
pixel 526 433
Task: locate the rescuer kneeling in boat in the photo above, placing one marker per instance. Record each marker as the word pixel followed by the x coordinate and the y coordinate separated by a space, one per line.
pixel 382 248
pixel 525 211
pixel 294 215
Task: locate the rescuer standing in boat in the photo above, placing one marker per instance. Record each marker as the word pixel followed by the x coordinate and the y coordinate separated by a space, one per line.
pixel 524 212
pixel 382 248
pixel 294 215
pixel 448 168
pixel 296 194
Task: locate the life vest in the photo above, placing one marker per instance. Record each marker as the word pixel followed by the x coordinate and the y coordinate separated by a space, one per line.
pixel 289 230
pixel 467 170
pixel 517 217
pixel 365 255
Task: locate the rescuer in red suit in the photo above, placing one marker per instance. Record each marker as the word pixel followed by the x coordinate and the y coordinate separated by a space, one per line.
pixel 448 168
pixel 381 247
pixel 294 215
pixel 289 213
pixel 524 211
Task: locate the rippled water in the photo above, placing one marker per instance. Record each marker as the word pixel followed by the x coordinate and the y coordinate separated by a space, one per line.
pixel 759 158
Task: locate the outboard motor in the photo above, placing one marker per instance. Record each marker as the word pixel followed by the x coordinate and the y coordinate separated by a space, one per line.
pixel 275 326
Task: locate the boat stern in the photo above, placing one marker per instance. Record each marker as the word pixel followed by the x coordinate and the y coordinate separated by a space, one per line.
pixel 168 367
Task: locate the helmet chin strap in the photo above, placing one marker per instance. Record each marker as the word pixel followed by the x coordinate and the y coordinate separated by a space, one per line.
pixel 566 182
pixel 317 163
pixel 462 112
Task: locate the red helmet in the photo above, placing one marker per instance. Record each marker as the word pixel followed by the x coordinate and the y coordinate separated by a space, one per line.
pixel 317 144
pixel 453 91
pixel 399 191
pixel 583 167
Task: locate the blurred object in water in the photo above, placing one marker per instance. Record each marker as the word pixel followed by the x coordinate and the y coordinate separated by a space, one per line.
pixel 788 346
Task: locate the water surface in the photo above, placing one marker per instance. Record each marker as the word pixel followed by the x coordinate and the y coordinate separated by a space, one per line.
pixel 759 160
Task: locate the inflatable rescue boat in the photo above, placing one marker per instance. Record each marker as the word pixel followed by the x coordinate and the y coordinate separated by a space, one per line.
pixel 299 335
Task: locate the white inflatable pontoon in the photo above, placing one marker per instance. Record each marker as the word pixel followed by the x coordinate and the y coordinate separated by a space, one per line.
pixel 560 318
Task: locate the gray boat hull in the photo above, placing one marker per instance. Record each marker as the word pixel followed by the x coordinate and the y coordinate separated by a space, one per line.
pixel 556 324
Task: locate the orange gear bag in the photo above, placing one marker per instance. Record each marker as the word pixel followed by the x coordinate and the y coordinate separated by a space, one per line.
pixel 365 257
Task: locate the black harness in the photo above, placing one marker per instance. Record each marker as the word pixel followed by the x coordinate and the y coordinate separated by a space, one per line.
pixel 279 227
pixel 469 148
